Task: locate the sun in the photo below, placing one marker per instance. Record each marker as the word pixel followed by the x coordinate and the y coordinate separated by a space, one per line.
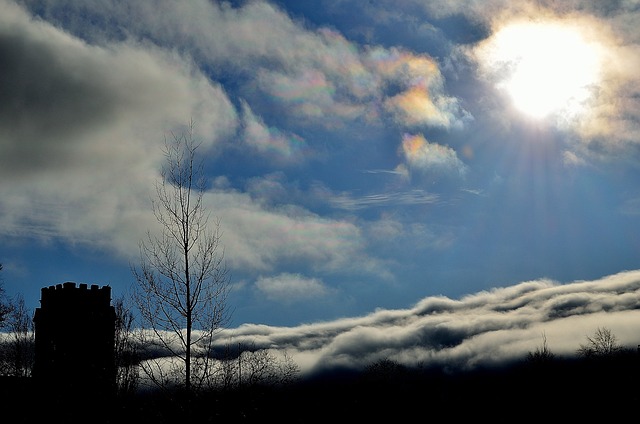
pixel 544 68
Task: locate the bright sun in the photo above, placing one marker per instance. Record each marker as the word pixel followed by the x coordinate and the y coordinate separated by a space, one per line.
pixel 545 68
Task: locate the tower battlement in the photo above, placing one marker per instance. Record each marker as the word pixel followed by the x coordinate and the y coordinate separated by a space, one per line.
pixel 69 292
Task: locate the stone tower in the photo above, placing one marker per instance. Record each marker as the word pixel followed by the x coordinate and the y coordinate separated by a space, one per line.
pixel 74 339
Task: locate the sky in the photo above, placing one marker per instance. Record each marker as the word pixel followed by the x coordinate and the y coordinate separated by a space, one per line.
pixel 395 177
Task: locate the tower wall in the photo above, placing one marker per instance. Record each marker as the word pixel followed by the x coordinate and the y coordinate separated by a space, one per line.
pixel 74 338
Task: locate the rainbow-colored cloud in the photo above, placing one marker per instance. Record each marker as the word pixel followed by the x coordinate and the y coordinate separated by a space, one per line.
pixel 422 155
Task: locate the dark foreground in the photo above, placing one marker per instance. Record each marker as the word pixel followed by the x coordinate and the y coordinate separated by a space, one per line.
pixel 580 390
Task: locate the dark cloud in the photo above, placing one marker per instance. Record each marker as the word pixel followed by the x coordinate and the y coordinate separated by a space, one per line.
pixel 50 96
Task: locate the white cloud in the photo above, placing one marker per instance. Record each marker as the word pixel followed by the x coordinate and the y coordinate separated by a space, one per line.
pixel 289 288
pixel 424 156
pixel 257 238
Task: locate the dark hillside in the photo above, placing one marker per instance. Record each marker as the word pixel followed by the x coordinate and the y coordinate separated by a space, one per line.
pixel 577 388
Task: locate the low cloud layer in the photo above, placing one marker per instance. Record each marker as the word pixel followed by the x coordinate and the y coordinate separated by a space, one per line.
pixel 483 329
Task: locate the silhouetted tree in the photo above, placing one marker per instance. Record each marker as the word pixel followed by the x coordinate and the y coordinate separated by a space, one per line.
pixel 17 353
pixel 125 350
pixel 262 368
pixel 602 343
pixel 253 367
pixel 5 304
pixel 542 354
pixel 383 370
pixel 17 345
pixel 182 278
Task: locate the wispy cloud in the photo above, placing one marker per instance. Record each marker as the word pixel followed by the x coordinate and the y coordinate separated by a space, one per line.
pixel 383 171
pixel 280 145
pixel 413 197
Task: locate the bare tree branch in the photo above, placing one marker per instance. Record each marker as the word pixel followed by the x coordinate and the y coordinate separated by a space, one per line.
pixel 182 279
pixel 602 343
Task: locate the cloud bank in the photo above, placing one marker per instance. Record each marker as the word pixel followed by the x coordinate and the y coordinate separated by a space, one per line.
pixel 488 328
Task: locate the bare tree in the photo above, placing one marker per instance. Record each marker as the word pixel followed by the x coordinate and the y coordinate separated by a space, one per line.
pixel 262 368
pixel 17 354
pixel 250 367
pixel 542 354
pixel 125 350
pixel 182 280
pixel 17 345
pixel 602 343
pixel 5 304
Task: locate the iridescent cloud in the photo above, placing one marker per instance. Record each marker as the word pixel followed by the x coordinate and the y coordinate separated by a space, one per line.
pixel 422 155
pixel 269 140
pixel 420 100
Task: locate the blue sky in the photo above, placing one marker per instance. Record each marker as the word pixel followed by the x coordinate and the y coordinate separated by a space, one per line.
pixel 361 156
